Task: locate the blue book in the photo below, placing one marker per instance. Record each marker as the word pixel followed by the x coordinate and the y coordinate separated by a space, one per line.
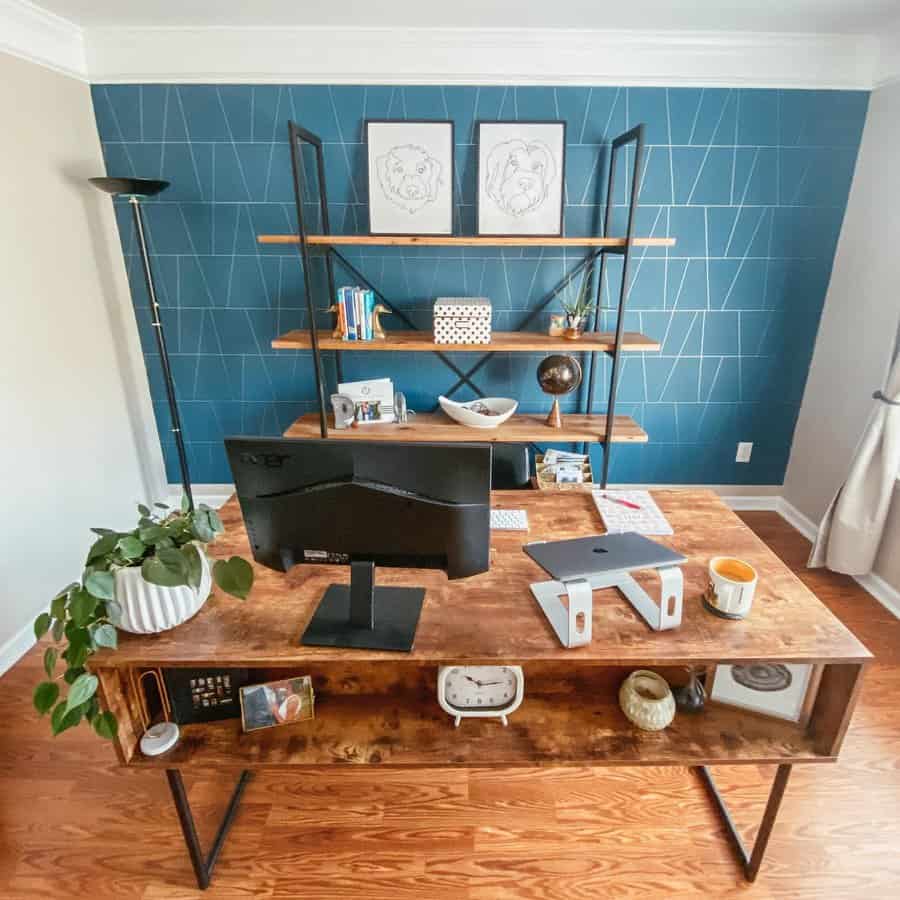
pixel 351 314
pixel 370 313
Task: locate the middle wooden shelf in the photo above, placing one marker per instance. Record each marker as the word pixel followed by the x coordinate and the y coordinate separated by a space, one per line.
pixel 501 342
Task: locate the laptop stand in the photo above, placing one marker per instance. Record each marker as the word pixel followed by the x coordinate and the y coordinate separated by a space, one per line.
pixel 572 621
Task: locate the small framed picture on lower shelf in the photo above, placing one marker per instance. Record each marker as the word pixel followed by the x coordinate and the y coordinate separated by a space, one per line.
pixel 782 690
pixel 277 703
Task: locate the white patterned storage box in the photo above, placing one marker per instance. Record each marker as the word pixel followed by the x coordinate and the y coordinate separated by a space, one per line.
pixel 462 320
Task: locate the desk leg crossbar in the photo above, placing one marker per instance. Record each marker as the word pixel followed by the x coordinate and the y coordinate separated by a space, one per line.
pixel 750 862
pixel 203 868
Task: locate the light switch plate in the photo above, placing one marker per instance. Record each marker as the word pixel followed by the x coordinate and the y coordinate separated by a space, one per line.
pixel 744 449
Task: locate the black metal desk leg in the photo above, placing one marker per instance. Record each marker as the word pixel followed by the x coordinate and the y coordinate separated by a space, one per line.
pixel 750 862
pixel 203 868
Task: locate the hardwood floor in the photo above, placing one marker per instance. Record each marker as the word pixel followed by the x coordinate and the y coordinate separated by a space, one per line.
pixel 72 824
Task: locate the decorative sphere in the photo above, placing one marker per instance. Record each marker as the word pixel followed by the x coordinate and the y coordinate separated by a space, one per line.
pixel 559 374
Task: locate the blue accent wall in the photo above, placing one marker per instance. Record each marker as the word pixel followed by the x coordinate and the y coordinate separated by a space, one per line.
pixel 751 183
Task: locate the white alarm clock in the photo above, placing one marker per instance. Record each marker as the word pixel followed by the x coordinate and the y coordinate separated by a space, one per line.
pixel 480 691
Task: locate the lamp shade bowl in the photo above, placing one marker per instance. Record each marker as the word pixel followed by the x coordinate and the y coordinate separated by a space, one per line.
pixel 130 187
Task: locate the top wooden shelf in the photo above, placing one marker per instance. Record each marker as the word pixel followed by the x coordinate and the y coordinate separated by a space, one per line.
pixel 372 240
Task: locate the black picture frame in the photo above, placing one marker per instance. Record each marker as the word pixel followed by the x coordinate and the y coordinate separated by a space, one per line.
pixel 479 168
pixel 450 177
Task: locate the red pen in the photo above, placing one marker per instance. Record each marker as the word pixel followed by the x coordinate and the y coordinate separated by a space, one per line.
pixel 621 502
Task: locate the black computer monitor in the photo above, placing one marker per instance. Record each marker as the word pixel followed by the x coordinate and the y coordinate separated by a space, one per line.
pixel 362 504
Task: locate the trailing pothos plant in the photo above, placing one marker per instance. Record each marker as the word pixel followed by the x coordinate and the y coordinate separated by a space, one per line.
pixel 84 614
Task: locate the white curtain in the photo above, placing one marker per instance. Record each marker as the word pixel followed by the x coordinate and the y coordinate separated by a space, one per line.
pixel 851 530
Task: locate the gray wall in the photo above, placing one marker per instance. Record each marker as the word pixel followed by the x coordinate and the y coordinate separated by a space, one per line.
pixel 73 453
pixel 858 329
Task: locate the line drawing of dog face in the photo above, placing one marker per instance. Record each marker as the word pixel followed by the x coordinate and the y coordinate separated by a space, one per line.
pixel 409 177
pixel 519 175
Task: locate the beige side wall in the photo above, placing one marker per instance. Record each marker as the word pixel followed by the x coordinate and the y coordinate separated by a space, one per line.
pixel 857 331
pixel 75 451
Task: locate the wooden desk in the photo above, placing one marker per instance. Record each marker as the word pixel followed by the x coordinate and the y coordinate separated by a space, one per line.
pixel 379 708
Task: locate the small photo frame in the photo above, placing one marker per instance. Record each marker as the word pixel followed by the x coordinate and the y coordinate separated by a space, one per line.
pixel 782 690
pixel 410 166
pixel 277 703
pixel 521 178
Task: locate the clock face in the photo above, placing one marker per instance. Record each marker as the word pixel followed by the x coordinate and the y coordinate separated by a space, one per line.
pixel 480 687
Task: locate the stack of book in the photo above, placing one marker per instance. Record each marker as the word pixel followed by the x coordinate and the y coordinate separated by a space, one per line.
pixel 355 308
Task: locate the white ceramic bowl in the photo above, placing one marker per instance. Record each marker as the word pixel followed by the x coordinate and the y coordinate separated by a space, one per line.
pixel 462 412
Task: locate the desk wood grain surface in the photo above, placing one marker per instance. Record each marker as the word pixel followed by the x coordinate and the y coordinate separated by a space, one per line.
pixel 493 617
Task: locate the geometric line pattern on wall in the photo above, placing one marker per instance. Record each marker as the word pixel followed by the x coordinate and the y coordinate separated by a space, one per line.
pixel 752 184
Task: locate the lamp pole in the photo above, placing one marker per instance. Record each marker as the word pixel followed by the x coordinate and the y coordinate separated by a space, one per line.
pixel 134 190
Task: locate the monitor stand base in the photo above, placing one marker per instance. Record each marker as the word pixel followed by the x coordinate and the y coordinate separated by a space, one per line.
pixel 364 617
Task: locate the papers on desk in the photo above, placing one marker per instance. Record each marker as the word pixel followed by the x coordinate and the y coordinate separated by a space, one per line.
pixel 618 518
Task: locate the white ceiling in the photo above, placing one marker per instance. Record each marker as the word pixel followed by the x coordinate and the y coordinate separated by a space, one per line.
pixel 795 16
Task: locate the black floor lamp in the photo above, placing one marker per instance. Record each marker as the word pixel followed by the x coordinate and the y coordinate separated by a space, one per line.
pixel 134 190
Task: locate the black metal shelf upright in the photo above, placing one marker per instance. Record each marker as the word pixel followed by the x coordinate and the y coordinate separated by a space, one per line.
pixel 299 137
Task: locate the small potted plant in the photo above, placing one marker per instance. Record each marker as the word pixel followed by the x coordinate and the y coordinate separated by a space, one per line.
pixel 577 309
pixel 145 580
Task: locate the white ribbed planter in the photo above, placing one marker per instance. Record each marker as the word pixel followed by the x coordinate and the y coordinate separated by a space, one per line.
pixel 148 608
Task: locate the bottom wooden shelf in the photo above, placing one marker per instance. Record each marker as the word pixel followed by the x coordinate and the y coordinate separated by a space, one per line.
pixel 523 428
pixel 548 729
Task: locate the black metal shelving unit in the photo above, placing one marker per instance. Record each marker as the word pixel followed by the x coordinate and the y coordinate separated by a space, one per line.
pixel 301 138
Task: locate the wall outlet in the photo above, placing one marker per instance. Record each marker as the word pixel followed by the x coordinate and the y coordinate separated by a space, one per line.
pixel 745 448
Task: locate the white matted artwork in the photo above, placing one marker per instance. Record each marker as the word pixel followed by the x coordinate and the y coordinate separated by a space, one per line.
pixel 410 166
pixel 521 174
pixel 782 690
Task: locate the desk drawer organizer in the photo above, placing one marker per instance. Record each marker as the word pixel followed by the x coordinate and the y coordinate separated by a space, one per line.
pixel 462 320
pixel 545 477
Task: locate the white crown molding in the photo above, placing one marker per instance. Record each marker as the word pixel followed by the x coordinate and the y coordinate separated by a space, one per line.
pixel 479 56
pixel 42 37
pixel 888 70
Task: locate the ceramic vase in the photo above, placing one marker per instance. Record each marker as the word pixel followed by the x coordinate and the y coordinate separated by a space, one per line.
pixel 575 326
pixel 150 608
pixel 647 701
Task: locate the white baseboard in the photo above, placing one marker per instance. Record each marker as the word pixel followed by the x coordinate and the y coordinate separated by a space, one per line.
pixel 801 522
pixel 213 495
pixel 885 594
pixel 17 646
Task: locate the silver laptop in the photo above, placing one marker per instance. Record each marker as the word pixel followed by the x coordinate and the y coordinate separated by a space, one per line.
pixel 583 557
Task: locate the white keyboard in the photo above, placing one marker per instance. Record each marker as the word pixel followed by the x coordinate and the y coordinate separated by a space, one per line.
pixel 509 520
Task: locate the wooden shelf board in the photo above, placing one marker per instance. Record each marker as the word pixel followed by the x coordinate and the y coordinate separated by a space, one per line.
pixel 343 240
pixel 520 429
pixel 501 342
pixel 412 731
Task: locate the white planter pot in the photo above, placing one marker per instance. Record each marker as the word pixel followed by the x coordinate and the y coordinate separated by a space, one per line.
pixel 148 608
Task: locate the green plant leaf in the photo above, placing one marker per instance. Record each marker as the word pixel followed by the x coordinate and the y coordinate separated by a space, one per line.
pixel 151 533
pixel 201 526
pixel 106 725
pixel 156 572
pixel 62 718
pixel 92 708
pixel 185 503
pixel 105 636
pixel 83 688
pixel 143 510
pixel 161 505
pixel 45 695
pixel 214 521
pixel 50 656
pixel 194 565
pixel 42 625
pixel 67 589
pixel 234 576
pixel 102 546
pixel 77 655
pixel 82 606
pixel 131 547
pixel 59 627
pixel 114 611
pixel 72 674
pixel 101 584
pixel 58 607
pixel 173 559
pixel 102 531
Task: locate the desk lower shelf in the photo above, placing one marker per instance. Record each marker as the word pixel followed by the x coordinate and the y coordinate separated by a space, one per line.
pixel 412 731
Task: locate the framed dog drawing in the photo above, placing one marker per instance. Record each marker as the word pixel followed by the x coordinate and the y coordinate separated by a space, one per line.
pixel 521 174
pixel 410 168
